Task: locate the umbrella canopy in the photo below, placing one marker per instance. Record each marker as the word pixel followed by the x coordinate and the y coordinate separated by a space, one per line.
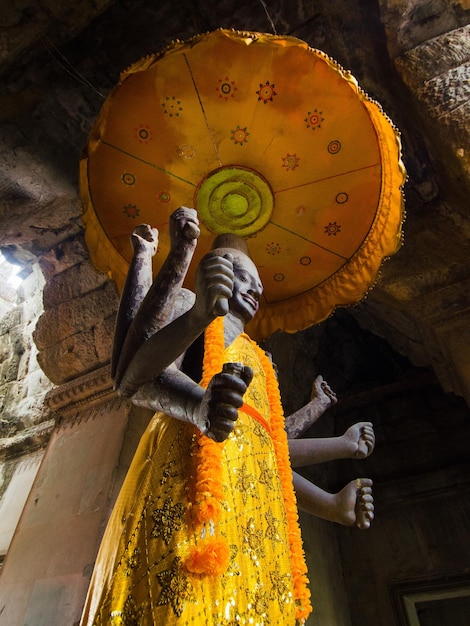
pixel 267 138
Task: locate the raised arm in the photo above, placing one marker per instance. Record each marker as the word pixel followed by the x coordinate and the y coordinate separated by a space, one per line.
pixel 144 241
pixel 213 410
pixel 322 398
pixel 159 299
pixel 214 281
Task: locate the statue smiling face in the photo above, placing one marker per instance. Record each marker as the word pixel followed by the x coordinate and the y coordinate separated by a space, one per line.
pixel 247 285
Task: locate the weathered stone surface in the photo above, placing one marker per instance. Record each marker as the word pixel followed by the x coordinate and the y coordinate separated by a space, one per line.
pixel 438 73
pixel 435 57
pixel 72 283
pixel 75 355
pixel 103 337
pixel 410 22
pixel 65 255
pixel 22 384
pixel 70 317
pixel 22 25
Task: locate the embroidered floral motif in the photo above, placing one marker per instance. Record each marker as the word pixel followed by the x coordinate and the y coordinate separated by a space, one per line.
pixel 314 119
pixel 143 134
pixel 252 540
pixel 261 433
pixel 131 615
pixel 280 588
pixel 172 106
pixel 259 603
pixel 239 433
pixel 239 135
pixel 133 562
pixel 164 196
pixel 273 248
pixel 167 520
pixel 272 531
pixel 266 475
pixel 246 483
pixel 168 472
pixel 176 588
pixel 128 179
pixel 233 568
pixel 226 88
pixel 334 146
pixel 131 210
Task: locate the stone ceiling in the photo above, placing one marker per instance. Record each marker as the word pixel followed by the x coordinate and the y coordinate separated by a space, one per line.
pixel 58 60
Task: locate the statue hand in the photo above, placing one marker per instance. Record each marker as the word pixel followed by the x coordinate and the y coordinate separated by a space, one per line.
pixel 362 439
pixel 222 399
pixel 144 238
pixel 322 393
pixel 214 286
pixel 184 225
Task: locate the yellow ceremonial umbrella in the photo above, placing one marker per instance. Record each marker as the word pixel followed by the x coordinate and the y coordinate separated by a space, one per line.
pixel 267 138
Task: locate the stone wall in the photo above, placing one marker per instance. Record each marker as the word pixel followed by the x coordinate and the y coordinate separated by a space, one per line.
pixel 25 425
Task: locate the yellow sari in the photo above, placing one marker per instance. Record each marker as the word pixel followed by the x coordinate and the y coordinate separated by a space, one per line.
pixel 140 576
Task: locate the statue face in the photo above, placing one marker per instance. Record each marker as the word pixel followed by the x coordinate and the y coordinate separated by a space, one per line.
pixel 247 287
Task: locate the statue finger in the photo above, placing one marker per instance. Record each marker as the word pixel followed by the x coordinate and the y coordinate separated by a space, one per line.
pixel 246 375
pixel 226 397
pixel 219 433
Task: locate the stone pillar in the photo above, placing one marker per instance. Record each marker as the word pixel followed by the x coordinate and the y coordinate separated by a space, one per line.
pixel 49 563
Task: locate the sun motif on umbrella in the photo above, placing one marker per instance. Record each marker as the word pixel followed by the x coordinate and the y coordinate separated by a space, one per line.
pixel 290 161
pixel 266 92
pixel 172 106
pixel 239 135
pixel 130 210
pixel 332 229
pixel 226 88
pixel 314 119
pixel 143 134
pixel 291 155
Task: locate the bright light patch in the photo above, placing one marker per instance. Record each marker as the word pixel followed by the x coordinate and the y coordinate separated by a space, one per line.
pixel 12 272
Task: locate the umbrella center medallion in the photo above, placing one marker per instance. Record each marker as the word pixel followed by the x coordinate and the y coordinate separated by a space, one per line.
pixel 234 199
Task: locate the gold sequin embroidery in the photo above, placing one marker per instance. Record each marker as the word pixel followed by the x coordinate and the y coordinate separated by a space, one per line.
pixel 259 605
pixel 176 588
pixel 272 530
pixel 168 472
pixel 246 483
pixel 168 520
pixel 131 615
pixel 253 540
pixel 280 588
pixel 266 475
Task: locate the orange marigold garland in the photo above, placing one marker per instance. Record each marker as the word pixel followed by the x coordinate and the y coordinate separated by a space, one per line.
pixel 281 448
pixel 212 555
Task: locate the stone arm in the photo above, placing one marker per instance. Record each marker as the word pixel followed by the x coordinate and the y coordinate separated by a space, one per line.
pixel 214 281
pixel 354 504
pixel 213 411
pixel 144 241
pixel 358 442
pixel 159 299
pixel 322 398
